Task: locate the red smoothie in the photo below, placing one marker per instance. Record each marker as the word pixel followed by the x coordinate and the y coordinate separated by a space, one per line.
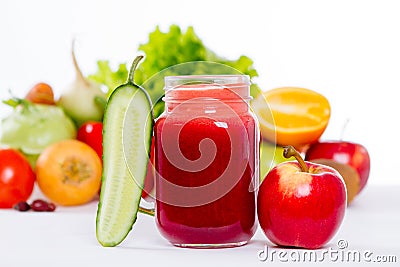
pixel 206 160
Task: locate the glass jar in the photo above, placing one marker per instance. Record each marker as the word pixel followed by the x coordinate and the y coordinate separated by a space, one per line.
pixel 206 160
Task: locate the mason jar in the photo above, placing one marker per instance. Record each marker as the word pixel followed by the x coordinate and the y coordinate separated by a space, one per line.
pixel 206 161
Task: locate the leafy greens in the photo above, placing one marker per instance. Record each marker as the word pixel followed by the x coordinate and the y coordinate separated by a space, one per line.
pixel 166 49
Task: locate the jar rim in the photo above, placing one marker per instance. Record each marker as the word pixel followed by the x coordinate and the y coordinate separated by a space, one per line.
pixel 172 82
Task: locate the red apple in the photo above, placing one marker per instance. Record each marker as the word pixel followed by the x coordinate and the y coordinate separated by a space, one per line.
pixel 301 204
pixel 352 154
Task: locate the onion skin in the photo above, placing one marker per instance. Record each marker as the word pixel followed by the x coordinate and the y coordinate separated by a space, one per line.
pixel 78 101
pixel 83 100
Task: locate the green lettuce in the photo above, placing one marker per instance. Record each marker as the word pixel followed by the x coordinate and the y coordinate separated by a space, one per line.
pixel 109 77
pixel 164 51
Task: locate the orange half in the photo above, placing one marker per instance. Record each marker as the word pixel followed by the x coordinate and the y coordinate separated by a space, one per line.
pixel 292 115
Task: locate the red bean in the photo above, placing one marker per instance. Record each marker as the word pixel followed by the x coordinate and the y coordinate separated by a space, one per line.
pixel 22 206
pixel 40 205
pixel 36 205
pixel 51 207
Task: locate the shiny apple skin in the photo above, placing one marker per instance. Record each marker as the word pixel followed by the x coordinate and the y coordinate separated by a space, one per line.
pixel 299 209
pixel 353 154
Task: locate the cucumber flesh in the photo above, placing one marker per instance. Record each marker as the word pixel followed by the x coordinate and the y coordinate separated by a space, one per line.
pixel 127 131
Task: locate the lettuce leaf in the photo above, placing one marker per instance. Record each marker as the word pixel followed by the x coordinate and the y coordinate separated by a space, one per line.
pixel 108 77
pixel 166 49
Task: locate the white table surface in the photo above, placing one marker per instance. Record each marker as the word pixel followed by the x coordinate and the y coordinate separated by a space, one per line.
pixel 67 238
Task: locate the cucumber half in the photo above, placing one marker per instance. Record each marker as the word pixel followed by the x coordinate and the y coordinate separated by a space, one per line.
pixel 127 131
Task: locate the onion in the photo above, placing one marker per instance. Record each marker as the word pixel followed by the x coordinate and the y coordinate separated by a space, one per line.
pixel 83 100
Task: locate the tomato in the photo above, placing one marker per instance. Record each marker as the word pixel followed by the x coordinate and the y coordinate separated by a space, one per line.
pixel 16 178
pixel 69 172
pixel 91 133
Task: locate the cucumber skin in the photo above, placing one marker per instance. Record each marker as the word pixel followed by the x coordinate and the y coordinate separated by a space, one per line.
pixel 100 204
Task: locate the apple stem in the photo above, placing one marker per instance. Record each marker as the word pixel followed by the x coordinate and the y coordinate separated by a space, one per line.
pixel 290 151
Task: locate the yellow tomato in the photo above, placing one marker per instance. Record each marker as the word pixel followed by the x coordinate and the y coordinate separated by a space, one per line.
pixel 69 173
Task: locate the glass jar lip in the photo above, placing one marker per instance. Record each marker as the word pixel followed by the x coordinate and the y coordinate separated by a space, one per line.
pixel 172 82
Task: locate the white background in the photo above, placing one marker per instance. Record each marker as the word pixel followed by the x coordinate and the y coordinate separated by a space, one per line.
pixel 347 50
